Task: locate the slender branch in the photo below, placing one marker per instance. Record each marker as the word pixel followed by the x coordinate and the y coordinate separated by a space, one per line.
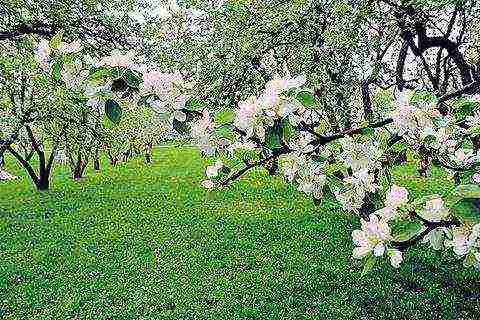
pixel 38 28
pixel 468 89
pixel 248 167
pixel 430 226
pixel 321 140
pixel 24 163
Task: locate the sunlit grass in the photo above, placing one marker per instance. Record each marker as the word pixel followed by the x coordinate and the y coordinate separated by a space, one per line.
pixel 146 242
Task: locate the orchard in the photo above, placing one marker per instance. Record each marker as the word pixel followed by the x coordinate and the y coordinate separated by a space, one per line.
pixel 365 112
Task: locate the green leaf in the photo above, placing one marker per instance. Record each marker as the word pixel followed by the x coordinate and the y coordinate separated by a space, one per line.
pixel 465 108
pixel 55 42
pixel 368 132
pixel 467 191
pixel 273 138
pixel 436 239
pixel 194 104
pixel 466 210
pixel 369 264
pixel 225 170
pixel 405 230
pixel 99 74
pixel 470 191
pixel 116 73
pixel 306 98
pixel 132 79
pixel 331 169
pixel 287 129
pixel 429 139
pixel 181 127
pixel 57 69
pixel 226 115
pixel 225 132
pixel 470 260
pixel 113 111
pixel 474 130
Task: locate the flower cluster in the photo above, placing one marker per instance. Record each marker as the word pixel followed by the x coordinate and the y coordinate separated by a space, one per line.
pixel 167 90
pixel 118 59
pixel 256 114
pixel 465 242
pixel 373 239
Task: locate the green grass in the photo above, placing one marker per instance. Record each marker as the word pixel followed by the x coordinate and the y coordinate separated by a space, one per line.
pixel 137 242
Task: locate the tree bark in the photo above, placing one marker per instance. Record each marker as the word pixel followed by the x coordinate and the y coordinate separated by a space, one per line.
pixel 112 158
pixel 367 100
pixel 96 163
pixel 148 153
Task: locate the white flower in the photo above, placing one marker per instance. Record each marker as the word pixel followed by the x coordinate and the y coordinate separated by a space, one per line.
pixel 473 120
pixel 4 175
pixel 61 156
pixel 409 119
pixel 303 142
pixel 463 156
pixel 42 55
pixel 434 210
pixel 162 84
pixel 208 184
pixel 357 186
pixel 396 257
pixel 371 238
pixel 239 145
pixel 397 196
pixel 212 171
pixel 245 115
pixel 66 48
pixel 172 108
pixel 275 87
pixel 362 179
pixel 204 126
pixel 465 243
pixel 311 180
pixel 117 59
pixel 359 156
pixel 476 178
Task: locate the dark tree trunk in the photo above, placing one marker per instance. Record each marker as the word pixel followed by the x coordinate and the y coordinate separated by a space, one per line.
pixel 43 183
pixel 112 158
pixel 148 153
pixel 79 169
pixel 96 164
pixel 42 180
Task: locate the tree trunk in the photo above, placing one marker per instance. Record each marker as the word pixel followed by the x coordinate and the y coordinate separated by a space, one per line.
pixel 79 168
pixel 148 153
pixel 113 160
pixel 43 183
pixel 96 164
pixel 77 172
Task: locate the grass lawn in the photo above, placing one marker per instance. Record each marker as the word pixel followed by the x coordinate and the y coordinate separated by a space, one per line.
pixel 137 242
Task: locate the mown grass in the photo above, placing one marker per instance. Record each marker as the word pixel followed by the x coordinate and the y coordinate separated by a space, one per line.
pixel 138 242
